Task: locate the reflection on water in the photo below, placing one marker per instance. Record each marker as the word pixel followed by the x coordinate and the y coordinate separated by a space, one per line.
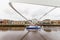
pixel 14 35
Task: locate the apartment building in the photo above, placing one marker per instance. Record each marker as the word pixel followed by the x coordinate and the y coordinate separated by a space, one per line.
pixel 5 21
pixel 56 22
pixel 20 22
pixel 48 21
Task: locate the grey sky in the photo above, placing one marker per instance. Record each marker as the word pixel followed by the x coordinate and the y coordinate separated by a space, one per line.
pixel 28 10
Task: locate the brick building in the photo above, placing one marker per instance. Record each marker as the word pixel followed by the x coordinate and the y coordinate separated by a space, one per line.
pixel 48 21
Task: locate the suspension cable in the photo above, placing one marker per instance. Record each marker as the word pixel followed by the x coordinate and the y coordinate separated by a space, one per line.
pixel 25 17
pixel 47 12
pixel 20 13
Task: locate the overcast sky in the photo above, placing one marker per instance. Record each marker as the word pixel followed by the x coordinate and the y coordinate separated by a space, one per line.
pixel 28 10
